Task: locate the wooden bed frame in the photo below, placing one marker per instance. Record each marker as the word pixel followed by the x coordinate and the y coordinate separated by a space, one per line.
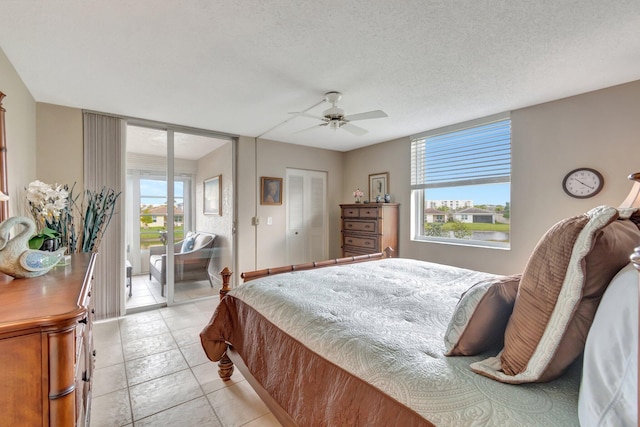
pixel 232 359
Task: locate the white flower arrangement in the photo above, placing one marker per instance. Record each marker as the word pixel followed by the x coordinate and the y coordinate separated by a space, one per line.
pixel 46 202
pixel 79 226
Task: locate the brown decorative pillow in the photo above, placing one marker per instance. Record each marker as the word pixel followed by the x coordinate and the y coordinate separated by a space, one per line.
pixel 481 316
pixel 558 295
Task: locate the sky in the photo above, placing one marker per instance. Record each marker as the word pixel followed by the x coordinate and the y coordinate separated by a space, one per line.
pixel 152 187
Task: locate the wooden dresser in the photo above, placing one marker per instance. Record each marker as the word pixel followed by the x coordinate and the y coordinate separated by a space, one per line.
pixel 369 228
pixel 46 346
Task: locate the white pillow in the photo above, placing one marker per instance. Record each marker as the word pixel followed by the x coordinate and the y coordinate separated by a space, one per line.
pixel 609 389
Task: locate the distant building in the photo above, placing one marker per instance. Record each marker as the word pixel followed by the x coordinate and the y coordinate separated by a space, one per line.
pixel 451 204
pixel 158 216
pixel 435 216
pixel 475 215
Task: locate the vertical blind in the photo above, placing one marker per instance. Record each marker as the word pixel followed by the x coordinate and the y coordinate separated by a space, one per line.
pixel 475 155
pixel 103 140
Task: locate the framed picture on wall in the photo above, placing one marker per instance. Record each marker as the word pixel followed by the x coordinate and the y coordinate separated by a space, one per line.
pixel 212 190
pixel 270 191
pixel 378 185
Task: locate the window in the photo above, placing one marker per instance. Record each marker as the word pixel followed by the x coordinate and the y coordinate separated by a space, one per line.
pixel 154 207
pixel 461 183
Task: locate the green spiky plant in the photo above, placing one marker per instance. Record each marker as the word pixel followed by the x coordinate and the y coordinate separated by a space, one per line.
pixel 84 225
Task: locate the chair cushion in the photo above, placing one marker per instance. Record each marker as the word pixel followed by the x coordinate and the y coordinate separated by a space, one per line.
pixel 156 261
pixel 189 242
pixel 201 240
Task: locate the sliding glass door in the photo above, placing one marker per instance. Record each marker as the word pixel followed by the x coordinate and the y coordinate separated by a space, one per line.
pixel 172 244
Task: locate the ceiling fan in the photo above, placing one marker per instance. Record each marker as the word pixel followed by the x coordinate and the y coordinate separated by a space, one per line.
pixel 335 118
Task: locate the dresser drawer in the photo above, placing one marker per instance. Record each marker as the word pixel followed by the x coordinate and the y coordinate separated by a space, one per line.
pixel 361 226
pixel 370 212
pixel 351 212
pixel 361 242
pixel 350 251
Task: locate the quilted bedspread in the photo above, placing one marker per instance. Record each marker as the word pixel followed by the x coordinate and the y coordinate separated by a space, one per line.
pixel 384 322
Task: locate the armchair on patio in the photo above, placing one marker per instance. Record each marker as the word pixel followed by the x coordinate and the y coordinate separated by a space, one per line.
pixel 191 255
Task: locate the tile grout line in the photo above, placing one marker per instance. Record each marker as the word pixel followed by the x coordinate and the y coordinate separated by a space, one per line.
pixel 126 375
pixel 204 394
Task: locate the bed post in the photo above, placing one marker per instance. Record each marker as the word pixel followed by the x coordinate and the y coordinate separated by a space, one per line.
pixel 225 365
pixel 226 275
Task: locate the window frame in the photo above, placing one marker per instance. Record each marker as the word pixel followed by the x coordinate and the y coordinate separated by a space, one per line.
pixel 418 202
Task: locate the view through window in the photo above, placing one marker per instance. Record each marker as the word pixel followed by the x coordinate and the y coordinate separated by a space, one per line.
pixel 461 184
pixel 154 207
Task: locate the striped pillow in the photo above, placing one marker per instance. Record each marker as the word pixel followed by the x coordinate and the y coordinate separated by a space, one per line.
pixel 481 316
pixel 558 295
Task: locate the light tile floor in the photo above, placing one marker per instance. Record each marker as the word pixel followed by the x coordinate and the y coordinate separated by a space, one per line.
pixel 145 291
pixel 151 371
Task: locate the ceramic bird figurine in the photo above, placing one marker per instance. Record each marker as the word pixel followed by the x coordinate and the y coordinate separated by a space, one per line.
pixel 16 259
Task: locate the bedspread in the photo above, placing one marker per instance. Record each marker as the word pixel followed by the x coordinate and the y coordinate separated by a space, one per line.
pixel 383 322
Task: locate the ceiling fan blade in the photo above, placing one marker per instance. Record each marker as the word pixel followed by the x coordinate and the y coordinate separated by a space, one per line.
pixel 353 129
pixel 303 114
pixel 375 114
pixel 309 128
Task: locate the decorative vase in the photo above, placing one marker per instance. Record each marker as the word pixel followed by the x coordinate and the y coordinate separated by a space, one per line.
pixel 387 198
pixel 379 198
pixel 357 199
pixel 16 259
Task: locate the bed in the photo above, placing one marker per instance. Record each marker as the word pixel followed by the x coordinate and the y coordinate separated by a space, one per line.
pixel 377 341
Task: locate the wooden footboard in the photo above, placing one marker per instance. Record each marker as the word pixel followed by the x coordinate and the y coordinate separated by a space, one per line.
pixel 226 364
pixel 251 275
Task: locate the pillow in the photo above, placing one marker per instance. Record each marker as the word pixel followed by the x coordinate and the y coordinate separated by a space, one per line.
pixel 189 242
pixel 558 295
pixel 481 316
pixel 609 385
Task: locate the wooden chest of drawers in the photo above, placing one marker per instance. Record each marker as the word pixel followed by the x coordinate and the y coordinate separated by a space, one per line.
pixel 369 228
pixel 46 346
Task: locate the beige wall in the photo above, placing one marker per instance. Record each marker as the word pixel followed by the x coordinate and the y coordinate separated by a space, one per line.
pixel 217 163
pixel 60 142
pixel 273 160
pixel 246 205
pixel 20 121
pixel 598 129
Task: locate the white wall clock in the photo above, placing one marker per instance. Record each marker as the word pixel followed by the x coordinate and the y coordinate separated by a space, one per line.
pixel 582 183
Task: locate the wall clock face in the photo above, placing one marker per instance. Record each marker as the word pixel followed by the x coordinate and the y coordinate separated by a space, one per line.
pixel 583 183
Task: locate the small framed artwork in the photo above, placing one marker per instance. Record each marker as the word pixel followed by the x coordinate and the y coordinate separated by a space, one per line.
pixel 378 185
pixel 212 190
pixel 270 191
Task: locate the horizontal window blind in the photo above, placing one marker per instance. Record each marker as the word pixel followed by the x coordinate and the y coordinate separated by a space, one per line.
pixel 475 155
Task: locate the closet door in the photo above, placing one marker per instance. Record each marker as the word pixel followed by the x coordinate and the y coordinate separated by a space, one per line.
pixel 307 218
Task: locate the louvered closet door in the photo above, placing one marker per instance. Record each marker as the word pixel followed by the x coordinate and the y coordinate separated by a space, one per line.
pixel 307 231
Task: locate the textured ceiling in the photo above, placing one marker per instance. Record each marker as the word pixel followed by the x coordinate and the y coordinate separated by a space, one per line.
pixel 241 67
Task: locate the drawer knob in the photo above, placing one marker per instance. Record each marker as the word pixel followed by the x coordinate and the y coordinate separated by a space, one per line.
pixel 84 320
pixel 94 353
